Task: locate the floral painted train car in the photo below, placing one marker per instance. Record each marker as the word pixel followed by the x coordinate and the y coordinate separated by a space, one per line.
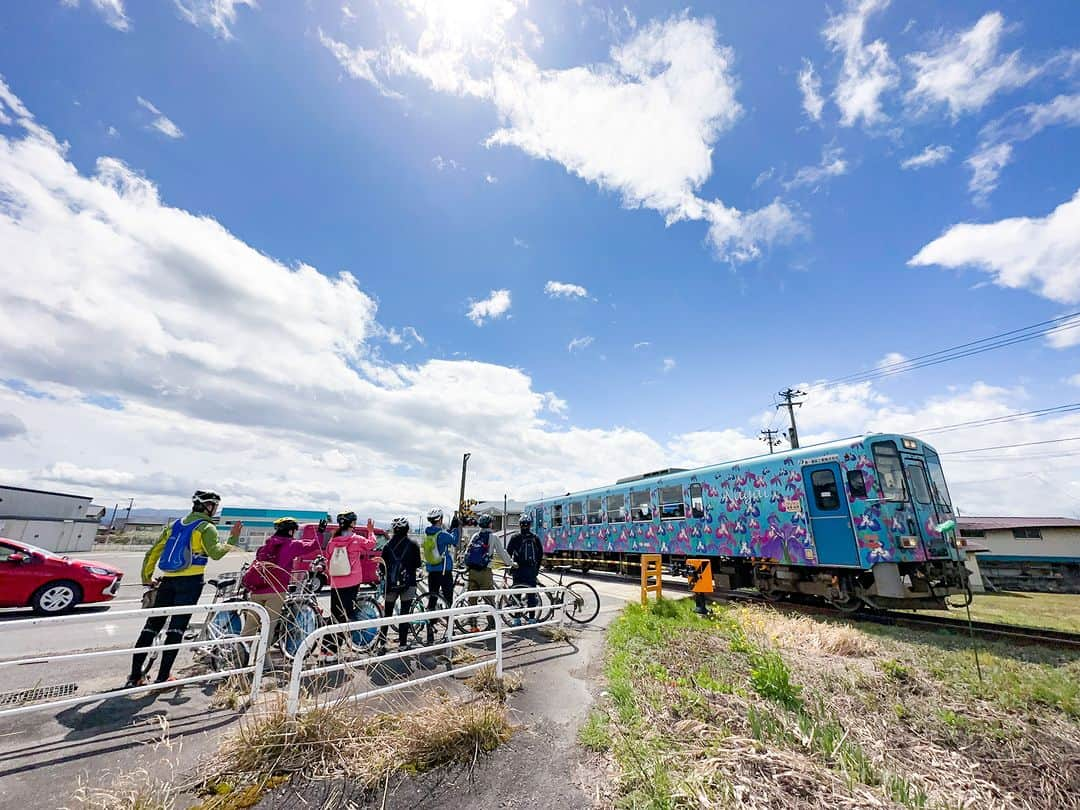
pixel 852 522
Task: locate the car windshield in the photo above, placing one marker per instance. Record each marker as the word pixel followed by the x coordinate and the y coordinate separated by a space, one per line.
pixel 42 551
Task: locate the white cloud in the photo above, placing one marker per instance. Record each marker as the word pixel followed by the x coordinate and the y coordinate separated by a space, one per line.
pixel 111 10
pixel 642 344
pixel 1074 380
pixel 1040 254
pixel 490 178
pixel 669 364
pixel 996 140
pixel 579 343
pixel 832 165
pixel 891 360
pixel 161 122
pixel 867 71
pixel 930 156
pixel 112 132
pixel 359 63
pixel 810 87
pixel 560 289
pixel 491 308
pixel 216 15
pixel 642 125
pixel 11 426
pixel 442 164
pixel 521 243
pixel 967 70
pixel 347 13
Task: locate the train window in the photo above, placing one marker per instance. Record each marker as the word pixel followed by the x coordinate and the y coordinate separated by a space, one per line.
pixel 641 505
pixel 824 484
pixel 556 515
pixel 919 487
pixel 697 503
pixel 856 483
pixel 595 511
pixel 890 473
pixel 616 509
pixel 672 506
pixel 577 514
pixel 937 482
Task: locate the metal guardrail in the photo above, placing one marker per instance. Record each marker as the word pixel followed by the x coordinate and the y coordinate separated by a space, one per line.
pixel 299 673
pixel 500 611
pixel 255 667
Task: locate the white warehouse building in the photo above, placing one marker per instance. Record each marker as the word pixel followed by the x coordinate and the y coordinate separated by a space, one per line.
pixel 55 521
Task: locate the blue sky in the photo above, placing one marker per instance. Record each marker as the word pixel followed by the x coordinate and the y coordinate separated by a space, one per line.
pixel 724 185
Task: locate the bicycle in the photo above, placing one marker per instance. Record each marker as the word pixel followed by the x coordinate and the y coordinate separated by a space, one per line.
pixel 584 606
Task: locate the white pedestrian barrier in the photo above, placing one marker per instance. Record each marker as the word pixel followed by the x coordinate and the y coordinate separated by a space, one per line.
pixel 299 674
pixel 255 665
pixel 516 609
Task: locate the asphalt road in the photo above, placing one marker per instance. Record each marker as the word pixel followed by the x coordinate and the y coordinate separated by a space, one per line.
pixel 45 755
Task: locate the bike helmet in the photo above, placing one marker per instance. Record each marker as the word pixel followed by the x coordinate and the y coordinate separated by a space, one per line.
pixel 399 524
pixel 284 525
pixel 525 520
pixel 346 519
pixel 484 521
pixel 435 515
pixel 205 501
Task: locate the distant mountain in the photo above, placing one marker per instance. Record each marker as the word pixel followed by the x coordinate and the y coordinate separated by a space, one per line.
pixel 145 515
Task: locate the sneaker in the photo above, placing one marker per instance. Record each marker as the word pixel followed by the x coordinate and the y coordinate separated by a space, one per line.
pixel 165 681
pixel 133 682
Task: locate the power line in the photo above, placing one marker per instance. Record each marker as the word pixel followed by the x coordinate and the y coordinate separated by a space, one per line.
pixel 769 437
pixel 974 347
pixel 1009 446
pixel 997 420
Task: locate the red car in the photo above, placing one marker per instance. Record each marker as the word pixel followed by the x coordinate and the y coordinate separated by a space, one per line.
pixel 50 583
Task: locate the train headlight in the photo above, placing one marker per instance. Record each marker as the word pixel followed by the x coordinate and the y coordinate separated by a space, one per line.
pixel 910 444
pixel 907 541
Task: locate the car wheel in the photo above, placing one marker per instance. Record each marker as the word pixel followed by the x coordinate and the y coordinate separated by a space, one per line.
pixel 56 598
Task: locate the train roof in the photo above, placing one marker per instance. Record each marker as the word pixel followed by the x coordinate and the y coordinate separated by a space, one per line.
pixel 807 451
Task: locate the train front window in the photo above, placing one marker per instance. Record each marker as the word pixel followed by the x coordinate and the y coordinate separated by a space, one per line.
pixel 640 506
pixel 890 472
pixel 937 482
pixel 824 484
pixel 595 511
pixel 697 502
pixel 616 509
pixel 577 514
pixel 919 487
pixel 672 506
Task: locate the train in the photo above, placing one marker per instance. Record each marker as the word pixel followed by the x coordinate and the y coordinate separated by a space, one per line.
pixel 857 523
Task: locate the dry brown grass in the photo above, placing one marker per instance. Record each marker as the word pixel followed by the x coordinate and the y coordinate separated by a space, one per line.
pixel 486 682
pixel 128 790
pixel 556 633
pixel 805 634
pixel 341 740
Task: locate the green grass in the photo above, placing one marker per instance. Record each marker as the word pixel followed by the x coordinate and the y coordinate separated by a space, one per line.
pixel 1052 611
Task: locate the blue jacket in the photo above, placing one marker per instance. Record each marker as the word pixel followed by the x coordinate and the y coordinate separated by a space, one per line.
pixel 443 541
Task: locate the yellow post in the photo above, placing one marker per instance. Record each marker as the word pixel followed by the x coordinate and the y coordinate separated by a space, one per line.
pixel 650 568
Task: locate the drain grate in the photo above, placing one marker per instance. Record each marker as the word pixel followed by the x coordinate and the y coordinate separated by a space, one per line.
pixel 38 693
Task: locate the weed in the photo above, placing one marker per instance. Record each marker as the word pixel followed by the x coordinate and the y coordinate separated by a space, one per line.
pixel 486 682
pixel 132 790
pixel 771 679
pixel 595 732
pixel 895 670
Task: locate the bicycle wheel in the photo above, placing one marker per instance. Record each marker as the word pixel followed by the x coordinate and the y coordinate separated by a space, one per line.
pixel 515 609
pixel 419 630
pixel 152 656
pixel 218 625
pixel 365 607
pixel 584 602
pixel 299 621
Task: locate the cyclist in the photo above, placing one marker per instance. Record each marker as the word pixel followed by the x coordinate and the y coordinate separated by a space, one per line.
pixel 267 580
pixel 484 546
pixel 344 552
pixel 527 552
pixel 436 546
pixel 181 554
pixel 402 558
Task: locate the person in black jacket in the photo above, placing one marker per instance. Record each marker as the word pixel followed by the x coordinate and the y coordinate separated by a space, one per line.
pixel 401 557
pixel 527 552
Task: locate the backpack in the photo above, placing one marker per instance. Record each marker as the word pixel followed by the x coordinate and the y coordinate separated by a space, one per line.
pixel 527 553
pixel 478 555
pixel 396 575
pixel 339 562
pixel 177 554
pixel 430 549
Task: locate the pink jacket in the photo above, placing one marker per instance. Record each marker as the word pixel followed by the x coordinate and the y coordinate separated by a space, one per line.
pixel 274 562
pixel 358 548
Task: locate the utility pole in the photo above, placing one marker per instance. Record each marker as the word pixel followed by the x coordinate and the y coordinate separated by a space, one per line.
pixel 788 395
pixel 768 435
pixel 461 496
pixel 127 517
pixel 112 523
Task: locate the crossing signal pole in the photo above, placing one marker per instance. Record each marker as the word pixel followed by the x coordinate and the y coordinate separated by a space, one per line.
pixel 769 437
pixel 789 395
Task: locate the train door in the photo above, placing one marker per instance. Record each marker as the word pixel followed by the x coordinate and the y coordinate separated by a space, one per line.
pixel 923 501
pixel 830 517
